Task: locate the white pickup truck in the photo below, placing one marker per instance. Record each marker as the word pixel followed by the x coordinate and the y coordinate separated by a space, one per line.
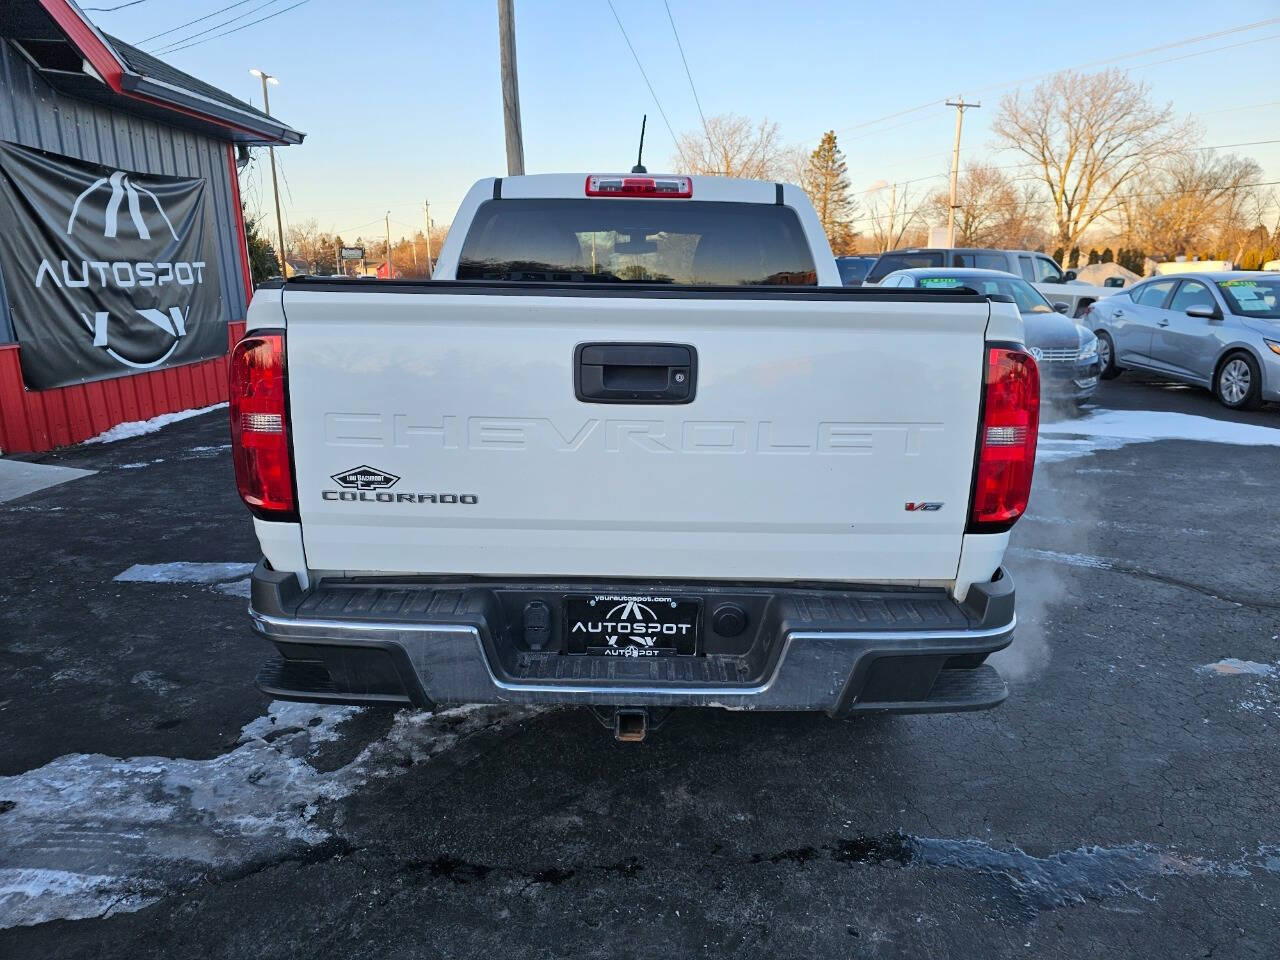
pixel 634 448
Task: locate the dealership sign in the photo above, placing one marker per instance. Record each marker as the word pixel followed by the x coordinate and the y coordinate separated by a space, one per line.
pixel 352 253
pixel 108 272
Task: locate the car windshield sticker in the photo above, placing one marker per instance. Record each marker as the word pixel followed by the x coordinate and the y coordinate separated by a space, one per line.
pixel 1252 296
pixel 939 282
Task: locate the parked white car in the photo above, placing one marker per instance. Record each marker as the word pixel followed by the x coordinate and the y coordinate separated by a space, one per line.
pixel 1040 270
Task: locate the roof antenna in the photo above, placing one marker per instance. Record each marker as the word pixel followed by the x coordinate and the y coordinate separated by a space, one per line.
pixel 639 167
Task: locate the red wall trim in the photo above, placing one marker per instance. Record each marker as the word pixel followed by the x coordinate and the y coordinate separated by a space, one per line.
pixel 32 421
pixel 203 117
pixel 239 215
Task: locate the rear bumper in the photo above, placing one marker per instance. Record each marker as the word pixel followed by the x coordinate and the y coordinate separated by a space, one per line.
pixel 832 649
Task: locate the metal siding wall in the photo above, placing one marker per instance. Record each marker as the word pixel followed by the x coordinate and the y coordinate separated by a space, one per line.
pixel 34 114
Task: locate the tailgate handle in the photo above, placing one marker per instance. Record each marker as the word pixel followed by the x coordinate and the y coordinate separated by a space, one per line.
pixel 635 372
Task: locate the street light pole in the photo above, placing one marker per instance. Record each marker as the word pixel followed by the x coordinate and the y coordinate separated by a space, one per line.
pixel 960 106
pixel 275 186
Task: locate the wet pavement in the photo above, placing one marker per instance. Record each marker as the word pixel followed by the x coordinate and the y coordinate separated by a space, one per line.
pixel 1121 803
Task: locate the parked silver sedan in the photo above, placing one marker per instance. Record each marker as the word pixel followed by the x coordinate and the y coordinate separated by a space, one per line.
pixel 1066 352
pixel 1219 330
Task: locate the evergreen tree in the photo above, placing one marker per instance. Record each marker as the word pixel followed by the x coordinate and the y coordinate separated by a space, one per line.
pixel 1131 260
pixel 263 262
pixel 825 178
pixel 1108 256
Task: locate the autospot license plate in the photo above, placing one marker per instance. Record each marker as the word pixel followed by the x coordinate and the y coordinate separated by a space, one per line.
pixel 632 625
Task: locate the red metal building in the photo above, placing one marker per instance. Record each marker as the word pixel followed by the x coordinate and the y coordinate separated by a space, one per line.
pixel 70 91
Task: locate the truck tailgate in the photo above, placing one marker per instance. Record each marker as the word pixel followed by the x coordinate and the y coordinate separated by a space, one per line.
pixel 436 430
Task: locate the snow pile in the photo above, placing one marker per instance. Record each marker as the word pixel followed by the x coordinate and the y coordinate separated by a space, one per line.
pixel 1113 429
pixel 138 428
pixel 183 572
pixel 88 835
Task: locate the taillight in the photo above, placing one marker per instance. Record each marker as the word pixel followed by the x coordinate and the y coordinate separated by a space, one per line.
pixel 680 188
pixel 260 427
pixel 1006 440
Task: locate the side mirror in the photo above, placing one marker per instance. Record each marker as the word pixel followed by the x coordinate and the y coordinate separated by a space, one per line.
pixel 1068 276
pixel 1061 307
pixel 1200 311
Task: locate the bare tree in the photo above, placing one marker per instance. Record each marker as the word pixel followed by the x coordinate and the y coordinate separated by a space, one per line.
pixel 1088 137
pixel 731 146
pixel 994 210
pixel 892 215
pixel 1196 198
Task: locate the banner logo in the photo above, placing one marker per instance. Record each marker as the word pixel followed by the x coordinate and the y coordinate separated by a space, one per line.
pixel 122 189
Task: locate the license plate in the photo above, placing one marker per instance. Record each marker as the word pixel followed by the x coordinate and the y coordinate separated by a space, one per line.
pixel 632 625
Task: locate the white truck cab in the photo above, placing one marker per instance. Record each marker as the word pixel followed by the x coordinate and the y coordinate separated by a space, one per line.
pixel 636 448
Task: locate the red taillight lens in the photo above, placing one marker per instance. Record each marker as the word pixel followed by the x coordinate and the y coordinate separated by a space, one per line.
pixel 1006 440
pixel 260 427
pixel 679 188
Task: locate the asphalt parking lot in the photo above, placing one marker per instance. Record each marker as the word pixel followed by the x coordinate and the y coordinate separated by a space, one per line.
pixel 1121 803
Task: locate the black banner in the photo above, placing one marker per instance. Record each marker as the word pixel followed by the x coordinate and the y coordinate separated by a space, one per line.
pixel 108 272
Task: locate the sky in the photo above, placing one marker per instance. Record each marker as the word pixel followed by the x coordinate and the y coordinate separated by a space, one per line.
pixel 401 100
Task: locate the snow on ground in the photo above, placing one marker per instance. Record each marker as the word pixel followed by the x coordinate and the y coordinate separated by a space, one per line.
pixel 88 835
pixel 137 428
pixel 1113 429
pixel 1262 695
pixel 1070 559
pixel 183 572
pixel 1230 667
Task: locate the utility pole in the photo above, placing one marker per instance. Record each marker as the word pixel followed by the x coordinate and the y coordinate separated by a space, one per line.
pixel 510 88
pixel 890 239
pixel 960 106
pixel 426 213
pixel 275 186
pixel 391 273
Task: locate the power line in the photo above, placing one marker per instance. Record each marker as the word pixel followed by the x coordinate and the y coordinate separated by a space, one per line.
pixel 237 29
pixel 1044 200
pixel 119 6
pixel 674 139
pixel 1092 63
pixel 217 26
pixel 1139 53
pixel 685 61
pixel 1229 46
pixel 165 33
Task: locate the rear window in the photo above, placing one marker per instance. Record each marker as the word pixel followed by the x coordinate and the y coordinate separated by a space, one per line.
pixel 1153 294
pixel 853 270
pixel 637 241
pixel 982 261
pixel 890 262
